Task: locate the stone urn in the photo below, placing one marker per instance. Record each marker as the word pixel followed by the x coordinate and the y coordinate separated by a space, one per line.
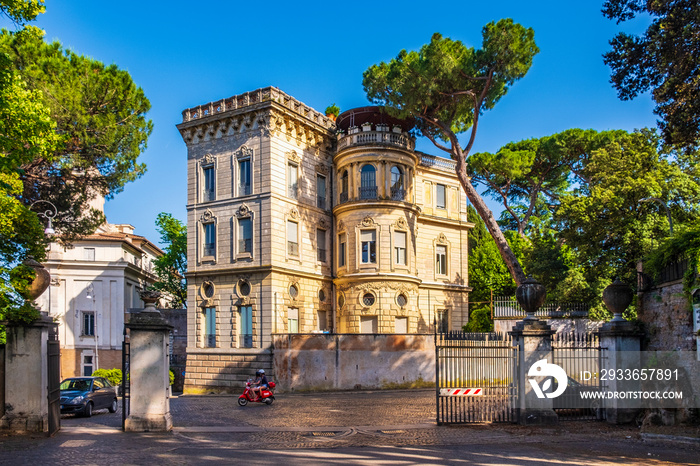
pixel 617 297
pixel 530 295
pixel 41 281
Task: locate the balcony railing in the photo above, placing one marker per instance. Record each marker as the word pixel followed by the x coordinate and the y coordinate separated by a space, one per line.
pixel 244 189
pixel 292 248
pixel 293 191
pixel 208 195
pixel 368 192
pixel 400 140
pixel 398 194
pixel 440 163
pixel 209 249
pixel 321 255
pixel 321 202
pixel 343 197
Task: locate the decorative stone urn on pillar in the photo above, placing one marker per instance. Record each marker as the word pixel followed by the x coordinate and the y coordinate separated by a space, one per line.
pixel 623 343
pixel 534 340
pixel 148 369
pixel 26 365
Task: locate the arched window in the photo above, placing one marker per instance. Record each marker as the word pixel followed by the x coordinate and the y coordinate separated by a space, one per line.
pixel 368 182
pixel 344 186
pixel 398 192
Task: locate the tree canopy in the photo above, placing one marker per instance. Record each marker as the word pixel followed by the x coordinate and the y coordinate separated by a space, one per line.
pixel 446 86
pixel 663 60
pixel 171 266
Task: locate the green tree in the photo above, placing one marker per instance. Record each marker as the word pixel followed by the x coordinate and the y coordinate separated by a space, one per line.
pixel 22 11
pixel 663 60
pixel 171 266
pixel 446 87
pixel 101 115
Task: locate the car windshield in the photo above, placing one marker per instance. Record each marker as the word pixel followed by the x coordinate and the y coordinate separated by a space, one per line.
pixel 82 385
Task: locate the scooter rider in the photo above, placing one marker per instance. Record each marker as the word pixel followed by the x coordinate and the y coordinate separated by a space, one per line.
pixel 260 383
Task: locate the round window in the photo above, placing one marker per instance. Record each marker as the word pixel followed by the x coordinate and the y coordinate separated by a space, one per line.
pixel 293 291
pixel 401 300
pixel 208 289
pixel 368 299
pixel 321 295
pixel 244 288
pixel 341 300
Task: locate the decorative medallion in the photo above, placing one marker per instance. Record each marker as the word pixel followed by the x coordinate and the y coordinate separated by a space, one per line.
pixel 292 155
pixel 208 159
pixel 207 216
pixel 294 213
pixel 341 225
pixel 367 221
pixel 321 168
pixel 323 223
pixel 244 152
pixel 442 239
pixel 243 211
pixel 401 223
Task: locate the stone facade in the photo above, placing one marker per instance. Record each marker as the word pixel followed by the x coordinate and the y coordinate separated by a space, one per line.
pixel 299 224
pixel 94 283
pixel 668 318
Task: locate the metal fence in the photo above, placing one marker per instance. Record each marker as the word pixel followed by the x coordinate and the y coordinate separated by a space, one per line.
pixel 506 307
pixel 475 378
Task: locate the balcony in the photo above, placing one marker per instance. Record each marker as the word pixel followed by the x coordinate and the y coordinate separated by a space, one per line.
pixel 361 138
pixel 398 194
pixel 321 255
pixel 368 192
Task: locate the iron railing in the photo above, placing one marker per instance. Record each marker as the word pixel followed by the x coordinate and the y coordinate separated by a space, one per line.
pixel 398 194
pixel 506 307
pixel 368 192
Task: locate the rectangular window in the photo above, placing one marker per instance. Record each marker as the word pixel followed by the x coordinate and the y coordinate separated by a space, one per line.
pixel 400 247
pixel 341 250
pixel 89 254
pixel 293 320
pixel 441 260
pixel 209 239
pixel 210 327
pixel 440 196
pixel 246 327
pixel 368 241
pixel 322 320
pixel 401 325
pixel 292 238
pixel 368 324
pixel 321 191
pixel 245 235
pixel 244 186
pixel 88 323
pixel 321 245
pixel 293 180
pixel 209 184
pixel 87 366
pixel 443 324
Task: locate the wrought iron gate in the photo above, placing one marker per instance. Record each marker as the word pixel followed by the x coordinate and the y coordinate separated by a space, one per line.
pixel 125 385
pixel 577 354
pixel 54 380
pixel 475 376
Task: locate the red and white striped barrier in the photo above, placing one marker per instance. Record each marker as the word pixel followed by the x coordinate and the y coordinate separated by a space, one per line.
pixel 461 392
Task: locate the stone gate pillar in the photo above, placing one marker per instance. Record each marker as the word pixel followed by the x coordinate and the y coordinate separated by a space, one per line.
pixel 622 341
pixel 149 408
pixel 26 376
pixel 534 340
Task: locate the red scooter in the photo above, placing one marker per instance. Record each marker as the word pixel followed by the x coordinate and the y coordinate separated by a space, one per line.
pixel 267 395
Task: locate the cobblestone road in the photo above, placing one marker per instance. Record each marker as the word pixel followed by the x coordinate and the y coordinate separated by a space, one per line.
pixel 382 427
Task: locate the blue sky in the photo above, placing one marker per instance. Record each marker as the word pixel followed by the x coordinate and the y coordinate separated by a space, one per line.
pixel 188 53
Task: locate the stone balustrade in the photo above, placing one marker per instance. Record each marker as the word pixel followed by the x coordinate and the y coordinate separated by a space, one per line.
pixel 360 138
pixel 440 163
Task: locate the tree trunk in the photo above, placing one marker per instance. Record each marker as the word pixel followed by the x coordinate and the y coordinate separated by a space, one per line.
pixel 516 271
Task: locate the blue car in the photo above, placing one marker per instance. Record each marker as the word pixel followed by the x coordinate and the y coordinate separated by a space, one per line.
pixel 83 395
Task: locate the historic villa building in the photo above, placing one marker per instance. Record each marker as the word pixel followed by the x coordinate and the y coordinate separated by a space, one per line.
pixel 298 223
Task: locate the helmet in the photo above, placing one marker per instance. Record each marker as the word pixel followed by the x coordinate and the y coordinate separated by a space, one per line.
pixel 261 372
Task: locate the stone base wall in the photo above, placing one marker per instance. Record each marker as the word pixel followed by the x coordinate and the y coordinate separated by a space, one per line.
pixel 668 317
pixel 347 362
pixel 213 371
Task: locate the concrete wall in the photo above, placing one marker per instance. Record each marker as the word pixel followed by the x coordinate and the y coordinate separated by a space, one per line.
pixel 668 317
pixel 343 361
